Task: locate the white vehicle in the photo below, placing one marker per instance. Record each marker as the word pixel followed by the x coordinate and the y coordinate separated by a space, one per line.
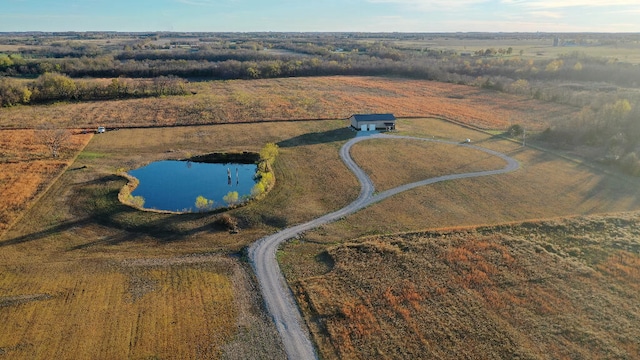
pixel 101 129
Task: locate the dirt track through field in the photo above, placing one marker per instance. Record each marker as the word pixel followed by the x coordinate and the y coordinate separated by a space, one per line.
pixel 262 254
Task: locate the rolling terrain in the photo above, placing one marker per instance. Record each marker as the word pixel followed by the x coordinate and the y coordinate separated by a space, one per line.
pixel 80 255
pixel 561 289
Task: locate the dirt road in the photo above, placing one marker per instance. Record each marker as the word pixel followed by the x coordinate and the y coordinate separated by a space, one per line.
pixel 262 254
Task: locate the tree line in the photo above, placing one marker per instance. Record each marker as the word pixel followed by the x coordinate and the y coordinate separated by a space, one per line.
pixel 142 67
pixel 59 87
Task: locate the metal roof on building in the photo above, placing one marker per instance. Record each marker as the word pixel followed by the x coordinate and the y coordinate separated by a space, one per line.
pixel 374 117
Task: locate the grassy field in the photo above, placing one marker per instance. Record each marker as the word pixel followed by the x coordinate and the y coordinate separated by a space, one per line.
pixel 126 312
pixel 79 237
pixel 546 186
pixel 106 268
pixel 409 295
pixel 27 169
pixel 84 276
pixel 387 164
pixel 561 289
pixel 297 98
pixel 541 48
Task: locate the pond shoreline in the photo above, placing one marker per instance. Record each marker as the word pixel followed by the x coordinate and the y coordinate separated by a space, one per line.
pixel 206 173
pixel 244 157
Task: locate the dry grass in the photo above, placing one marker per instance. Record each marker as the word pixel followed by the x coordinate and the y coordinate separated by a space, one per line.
pixel 179 309
pixel 298 98
pixel 81 256
pixel 491 293
pixel 79 237
pixel 26 170
pixel 545 186
pixel 391 163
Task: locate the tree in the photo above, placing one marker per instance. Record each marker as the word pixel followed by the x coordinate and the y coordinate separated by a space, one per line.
pixel 12 92
pixel 54 86
pixel 257 190
pixel 515 130
pixel 554 65
pixel 203 204
pixel 5 62
pixel 54 138
pixel 520 86
pixel 231 198
pixel 268 155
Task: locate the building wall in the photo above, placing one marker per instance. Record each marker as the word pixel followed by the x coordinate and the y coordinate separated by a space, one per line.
pixel 380 125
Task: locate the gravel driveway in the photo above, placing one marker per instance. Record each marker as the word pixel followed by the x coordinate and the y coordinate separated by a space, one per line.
pixel 262 254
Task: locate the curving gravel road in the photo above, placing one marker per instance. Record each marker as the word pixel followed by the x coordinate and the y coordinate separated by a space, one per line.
pixel 262 254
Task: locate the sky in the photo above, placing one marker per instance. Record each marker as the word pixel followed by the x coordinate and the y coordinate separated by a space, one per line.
pixel 321 15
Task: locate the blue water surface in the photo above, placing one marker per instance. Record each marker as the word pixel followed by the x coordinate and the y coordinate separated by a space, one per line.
pixel 174 185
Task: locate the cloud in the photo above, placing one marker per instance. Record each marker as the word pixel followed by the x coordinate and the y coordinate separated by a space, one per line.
pixel 564 4
pixel 430 5
pixel 546 14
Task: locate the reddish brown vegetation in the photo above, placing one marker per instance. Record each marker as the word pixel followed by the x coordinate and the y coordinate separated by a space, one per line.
pixel 298 98
pixel 479 294
pixel 26 169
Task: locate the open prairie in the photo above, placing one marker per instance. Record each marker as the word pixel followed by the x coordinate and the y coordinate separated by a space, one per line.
pixel 532 48
pixel 298 98
pixel 197 307
pixel 27 169
pixel 554 289
pixel 83 274
pixel 545 186
pixel 80 255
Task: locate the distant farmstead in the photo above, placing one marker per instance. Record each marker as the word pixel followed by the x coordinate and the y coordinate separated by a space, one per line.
pixel 370 122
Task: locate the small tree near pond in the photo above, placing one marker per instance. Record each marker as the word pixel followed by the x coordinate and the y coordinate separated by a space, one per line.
pixel 203 204
pixel 267 156
pixel 231 198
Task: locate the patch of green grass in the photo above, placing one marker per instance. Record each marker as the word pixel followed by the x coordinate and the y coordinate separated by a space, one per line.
pixel 89 155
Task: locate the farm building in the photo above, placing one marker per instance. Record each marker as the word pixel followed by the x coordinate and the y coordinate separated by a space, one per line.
pixel 370 122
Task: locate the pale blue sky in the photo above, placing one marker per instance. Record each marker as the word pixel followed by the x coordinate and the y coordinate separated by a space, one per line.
pixel 322 15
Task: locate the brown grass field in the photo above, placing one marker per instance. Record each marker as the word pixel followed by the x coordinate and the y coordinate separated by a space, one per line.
pixel 93 278
pixel 297 98
pixel 545 186
pixel 387 164
pixel 84 276
pixel 541 48
pixel 26 170
pixel 78 237
pixel 564 289
pixel 197 307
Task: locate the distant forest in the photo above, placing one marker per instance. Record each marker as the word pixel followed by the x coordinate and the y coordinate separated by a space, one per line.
pixel 43 67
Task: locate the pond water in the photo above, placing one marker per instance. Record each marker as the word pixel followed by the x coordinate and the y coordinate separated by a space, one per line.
pixel 174 185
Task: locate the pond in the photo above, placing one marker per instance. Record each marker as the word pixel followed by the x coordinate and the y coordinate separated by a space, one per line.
pixel 175 185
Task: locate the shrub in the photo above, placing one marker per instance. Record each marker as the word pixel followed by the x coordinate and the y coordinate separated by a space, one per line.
pixel 203 204
pixel 258 189
pixel 631 164
pixel 515 130
pixel 137 201
pixel 227 221
pixel 231 198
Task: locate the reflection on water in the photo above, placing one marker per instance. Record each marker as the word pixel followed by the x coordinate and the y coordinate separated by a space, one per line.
pixel 175 185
